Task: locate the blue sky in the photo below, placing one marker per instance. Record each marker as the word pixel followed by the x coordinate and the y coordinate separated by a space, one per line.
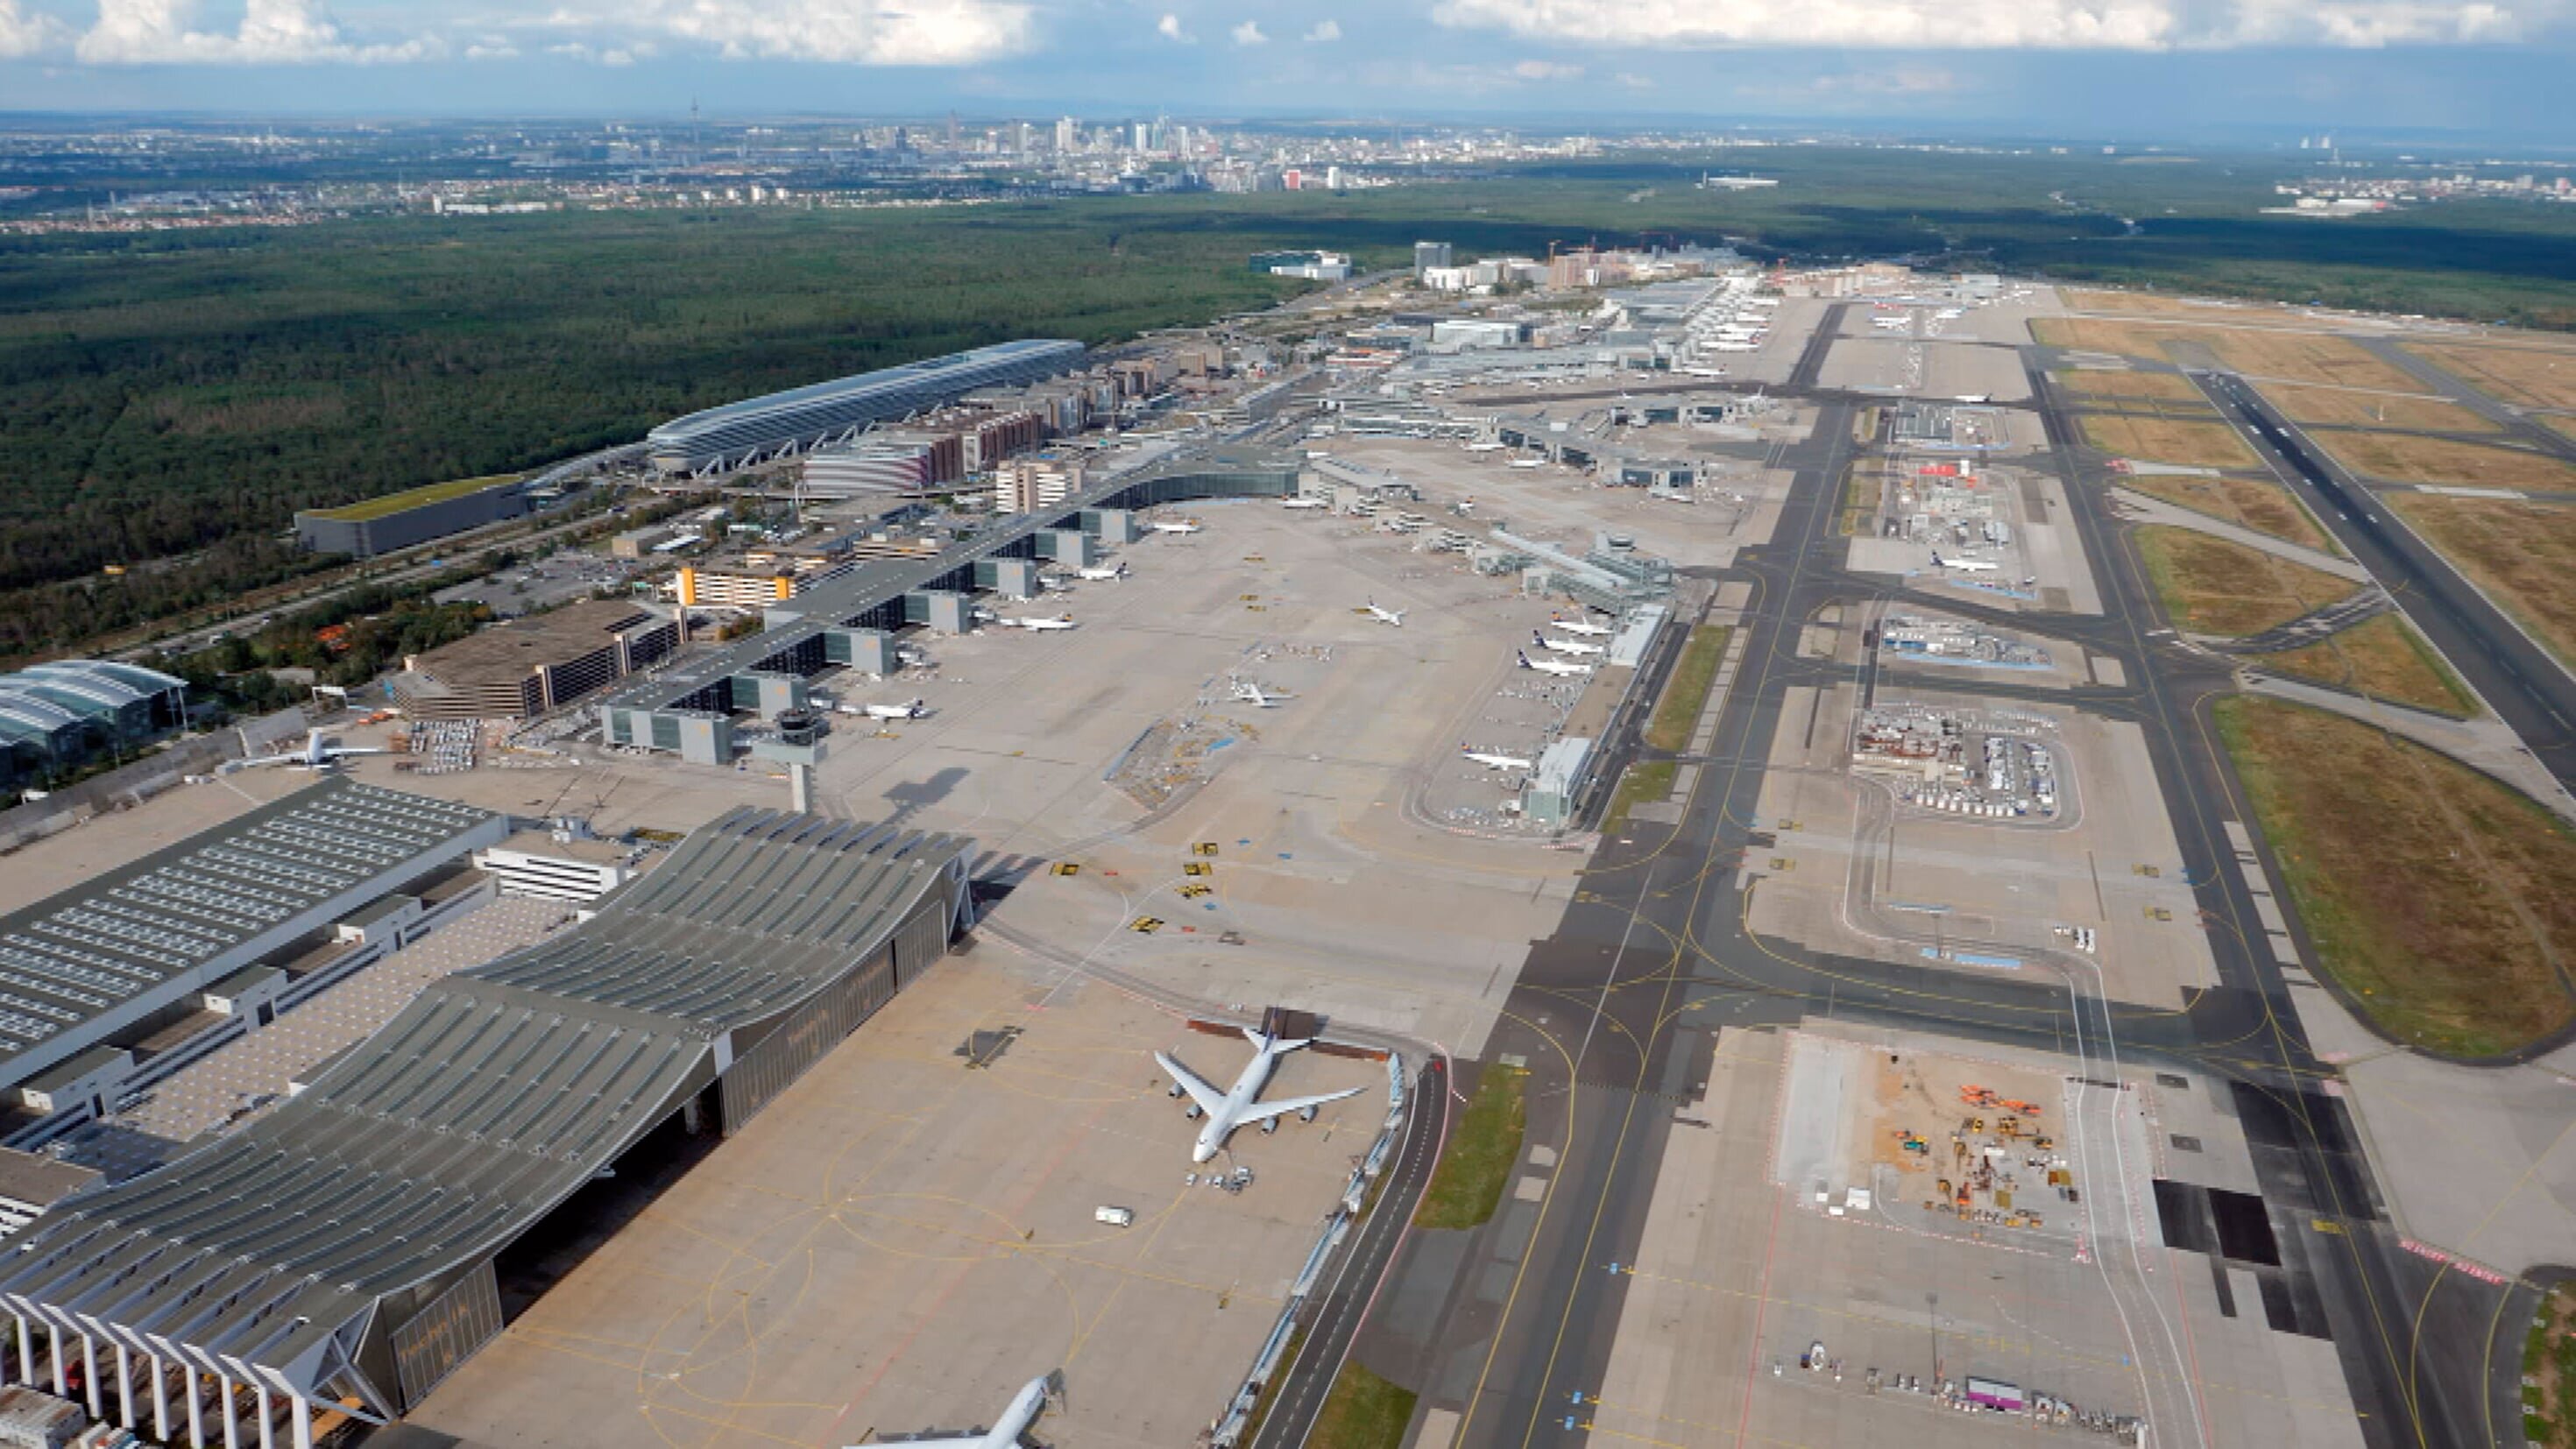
pixel 2087 67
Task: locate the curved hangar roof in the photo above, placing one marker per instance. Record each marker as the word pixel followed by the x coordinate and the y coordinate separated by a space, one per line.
pixel 847 402
pixel 285 1253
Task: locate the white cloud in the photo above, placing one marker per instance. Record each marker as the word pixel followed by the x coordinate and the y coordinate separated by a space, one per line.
pixel 273 32
pixel 25 34
pixel 862 32
pixel 1325 30
pixel 1249 33
pixel 1169 27
pixel 1546 70
pixel 1998 24
pixel 1634 81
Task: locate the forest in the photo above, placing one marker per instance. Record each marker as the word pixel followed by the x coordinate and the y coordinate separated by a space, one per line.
pixel 167 401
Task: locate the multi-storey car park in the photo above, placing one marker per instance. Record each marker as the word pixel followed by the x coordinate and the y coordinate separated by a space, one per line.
pixel 783 423
pixel 337 1256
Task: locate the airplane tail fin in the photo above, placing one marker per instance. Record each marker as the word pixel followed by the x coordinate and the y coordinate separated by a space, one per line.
pixel 1523 656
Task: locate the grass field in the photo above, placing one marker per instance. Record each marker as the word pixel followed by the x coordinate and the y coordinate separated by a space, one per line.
pixel 2383 658
pixel 2549 1372
pixel 2154 304
pixel 1363 1411
pixel 2532 377
pixel 1864 486
pixel 1687 690
pixel 2250 502
pixel 2372 410
pixel 2311 357
pixel 2522 554
pixel 2405 458
pixel 1647 782
pixel 2146 386
pixel 2563 425
pixel 2433 894
pixel 1483 1144
pixel 2168 440
pixel 2211 586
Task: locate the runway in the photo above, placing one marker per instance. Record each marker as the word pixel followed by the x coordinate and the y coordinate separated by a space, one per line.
pixel 1621 1007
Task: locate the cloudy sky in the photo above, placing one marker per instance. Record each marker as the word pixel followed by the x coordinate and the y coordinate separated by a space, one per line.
pixel 2085 67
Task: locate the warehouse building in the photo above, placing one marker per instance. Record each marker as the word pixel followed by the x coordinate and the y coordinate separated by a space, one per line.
pixel 526 667
pixel 784 423
pixel 399 520
pixel 57 716
pixel 338 1255
pixel 114 954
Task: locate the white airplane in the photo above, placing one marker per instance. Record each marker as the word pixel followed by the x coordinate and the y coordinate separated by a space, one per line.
pixel 1060 621
pixel 1186 525
pixel 1976 397
pixel 1584 627
pixel 1962 565
pixel 1242 1107
pixel 1551 666
pixel 1247 692
pixel 913 710
pixel 1017 1420
pixel 317 754
pixel 1564 646
pixel 1496 762
pixel 1384 616
pixel 1305 503
pixel 1109 574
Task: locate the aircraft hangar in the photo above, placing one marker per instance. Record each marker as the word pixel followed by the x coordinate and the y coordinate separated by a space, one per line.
pixel 337 1257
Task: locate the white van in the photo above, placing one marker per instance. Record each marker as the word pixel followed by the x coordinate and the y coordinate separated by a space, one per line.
pixel 1116 1217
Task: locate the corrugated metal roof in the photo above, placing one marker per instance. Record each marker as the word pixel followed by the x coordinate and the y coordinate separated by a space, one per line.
pixel 480 1107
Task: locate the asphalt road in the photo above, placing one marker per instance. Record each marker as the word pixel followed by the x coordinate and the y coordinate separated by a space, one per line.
pixel 1344 1308
pixel 1617 1013
pixel 2518 678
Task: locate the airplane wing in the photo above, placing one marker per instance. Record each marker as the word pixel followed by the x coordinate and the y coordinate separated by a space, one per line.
pixel 909 1442
pixel 294 759
pixel 1208 1098
pixel 1267 1110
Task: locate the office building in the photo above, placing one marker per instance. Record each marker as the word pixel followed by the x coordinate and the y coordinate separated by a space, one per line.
pixel 1428 255
pixel 61 715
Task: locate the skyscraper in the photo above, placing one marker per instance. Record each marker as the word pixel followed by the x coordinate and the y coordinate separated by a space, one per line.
pixel 1066 136
pixel 1427 255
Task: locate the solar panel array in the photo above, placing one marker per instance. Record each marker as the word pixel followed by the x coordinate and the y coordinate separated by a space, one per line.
pixel 86 952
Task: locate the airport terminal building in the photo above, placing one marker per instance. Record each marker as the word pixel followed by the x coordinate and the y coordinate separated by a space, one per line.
pixel 337 1256
pixel 783 423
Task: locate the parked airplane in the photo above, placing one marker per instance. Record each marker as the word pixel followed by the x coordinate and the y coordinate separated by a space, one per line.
pixel 1584 627
pixel 1247 692
pixel 1976 397
pixel 1565 646
pixel 1113 572
pixel 1242 1106
pixel 1060 621
pixel 1305 503
pixel 913 710
pixel 1550 666
pixel 1962 565
pixel 317 754
pixel 1384 616
pixel 1016 1421
pixel 1496 762
pixel 1185 525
